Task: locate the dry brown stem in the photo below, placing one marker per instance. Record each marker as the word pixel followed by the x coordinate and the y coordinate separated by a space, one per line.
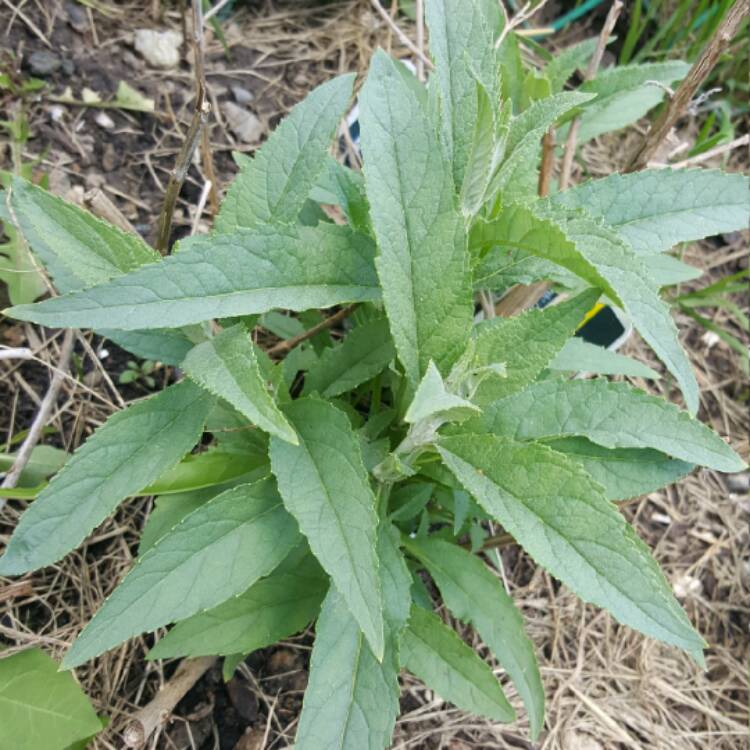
pixel 145 722
pixel 593 66
pixel 682 97
pixel 288 344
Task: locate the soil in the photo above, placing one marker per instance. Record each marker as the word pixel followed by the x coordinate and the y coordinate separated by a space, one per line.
pixel 607 687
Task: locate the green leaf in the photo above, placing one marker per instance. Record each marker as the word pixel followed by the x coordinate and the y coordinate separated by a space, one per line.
pixel 462 45
pixel 433 401
pixel 159 344
pixel 275 607
pixel 325 487
pixel 640 297
pixel 623 472
pixel 613 415
pixel 44 461
pixel 581 356
pixel 77 248
pixel 625 94
pixel 17 268
pixel 208 469
pixel 480 162
pixel 351 699
pixel 422 265
pixel 227 366
pixel 434 653
pixel 476 596
pixel 665 270
pixel 348 188
pixel 527 343
pixel 565 63
pixel 274 185
pixel 589 547
pixel 134 447
pixel 41 708
pixel 364 353
pixel 213 554
pixel 522 146
pixel 526 229
pixel 169 510
pixel 595 253
pixel 655 209
pixel 246 272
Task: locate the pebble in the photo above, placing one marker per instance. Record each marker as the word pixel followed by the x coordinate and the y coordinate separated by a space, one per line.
pixel 44 63
pixel 159 48
pixel 242 95
pixel 243 123
pixel 103 120
pixel 76 17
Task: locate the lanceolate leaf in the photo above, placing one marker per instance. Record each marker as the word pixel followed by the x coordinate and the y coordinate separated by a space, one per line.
pixel 655 209
pixel 246 272
pixel 435 654
pixel 41 707
pixel 462 44
pixel 158 344
pixel 228 367
pixel 593 252
pixel 581 356
pixel 560 516
pixel 422 264
pixel 215 553
pixel 275 607
pixel 134 447
pixel 352 698
pixel 78 249
pixel 433 401
pixel 273 186
pixel 364 353
pixel 613 415
pixel 623 472
pixel 527 343
pixel 325 487
pixel 476 596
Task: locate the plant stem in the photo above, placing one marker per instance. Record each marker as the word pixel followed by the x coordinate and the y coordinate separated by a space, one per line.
pixel 684 94
pixel 288 344
pixel 200 118
pixel 593 66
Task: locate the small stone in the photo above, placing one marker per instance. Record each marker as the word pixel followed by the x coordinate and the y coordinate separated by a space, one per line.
pixel 243 123
pixel 110 158
pixel 242 95
pixel 159 48
pixel 687 586
pixel 710 339
pixel 44 63
pixel 76 17
pixel 103 120
pixel 68 67
pixel 56 112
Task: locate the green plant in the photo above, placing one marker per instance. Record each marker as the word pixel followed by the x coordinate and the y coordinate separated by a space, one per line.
pixel 339 477
pixel 43 708
pixel 136 372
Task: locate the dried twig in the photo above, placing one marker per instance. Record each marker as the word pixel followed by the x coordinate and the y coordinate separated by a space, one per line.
pixel 419 8
pixel 147 719
pixel 593 66
pixel 40 420
pixel 200 118
pixel 521 17
pixel 548 161
pixel 681 100
pixel 20 352
pixel 288 344
pixel 743 140
pixel 16 591
pixel 400 34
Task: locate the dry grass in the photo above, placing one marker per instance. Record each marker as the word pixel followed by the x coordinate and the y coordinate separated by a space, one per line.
pixel 607 687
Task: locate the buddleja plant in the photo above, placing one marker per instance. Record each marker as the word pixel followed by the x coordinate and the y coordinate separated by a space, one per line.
pixel 339 478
